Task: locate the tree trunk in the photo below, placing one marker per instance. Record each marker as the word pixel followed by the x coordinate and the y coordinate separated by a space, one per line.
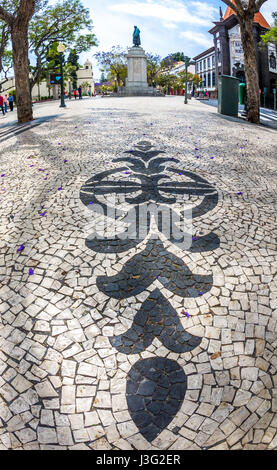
pixel 19 35
pixel 251 69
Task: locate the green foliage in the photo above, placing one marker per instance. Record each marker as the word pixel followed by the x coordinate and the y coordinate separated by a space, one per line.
pixel 172 59
pixel 73 66
pixel 103 79
pixel 166 80
pixel 85 87
pixel 62 22
pixel 271 35
pixel 192 79
pixel 105 89
pixel 153 68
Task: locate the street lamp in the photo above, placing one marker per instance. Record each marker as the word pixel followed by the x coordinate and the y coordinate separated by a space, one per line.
pixel 61 49
pixel 187 63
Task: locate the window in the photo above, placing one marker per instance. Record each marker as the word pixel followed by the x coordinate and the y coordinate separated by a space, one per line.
pixel 204 64
pixel 204 80
pixel 201 65
pixel 272 61
pixel 219 56
pixel 209 79
pixel 209 62
pixel 213 60
pixel 213 79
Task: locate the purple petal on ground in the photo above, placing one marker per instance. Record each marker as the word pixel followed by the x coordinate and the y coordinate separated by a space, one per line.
pixel 59 189
pixel 2 176
pixel 91 202
pixel 65 161
pixel 200 293
pixel 31 166
pixel 212 158
pixel 31 271
pixel 239 194
pixel 21 248
pixel 43 214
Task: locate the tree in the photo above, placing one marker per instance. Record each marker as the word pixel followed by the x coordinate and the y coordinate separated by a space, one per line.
pixel 172 59
pixel 17 15
pixel 153 67
pixel 73 66
pixel 193 79
pixel 85 86
pixel 4 39
pixel 245 11
pixel 62 22
pixel 6 65
pixel 102 79
pixel 114 63
pixel 271 35
pixel 166 81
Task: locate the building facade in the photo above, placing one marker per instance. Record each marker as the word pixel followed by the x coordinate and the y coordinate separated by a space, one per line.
pixel 205 68
pixel 44 89
pixel 227 57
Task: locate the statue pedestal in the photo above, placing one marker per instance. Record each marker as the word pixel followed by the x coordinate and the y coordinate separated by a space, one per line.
pixel 136 83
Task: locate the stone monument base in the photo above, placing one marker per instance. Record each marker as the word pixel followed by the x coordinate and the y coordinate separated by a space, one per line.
pixel 136 83
pixel 137 90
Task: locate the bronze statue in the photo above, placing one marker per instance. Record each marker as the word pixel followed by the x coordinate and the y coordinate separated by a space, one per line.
pixel 136 37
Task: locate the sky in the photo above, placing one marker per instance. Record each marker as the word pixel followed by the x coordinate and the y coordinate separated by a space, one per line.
pixel 166 25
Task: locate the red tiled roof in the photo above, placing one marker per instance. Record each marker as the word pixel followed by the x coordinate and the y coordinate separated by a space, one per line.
pixel 258 18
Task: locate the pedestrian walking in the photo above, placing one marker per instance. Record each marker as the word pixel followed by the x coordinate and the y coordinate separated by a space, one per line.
pixel 2 107
pixel 75 94
pixel 10 100
pixel 80 92
pixel 6 103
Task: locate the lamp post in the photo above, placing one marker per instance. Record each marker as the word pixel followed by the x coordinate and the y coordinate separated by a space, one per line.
pixel 61 49
pixel 187 62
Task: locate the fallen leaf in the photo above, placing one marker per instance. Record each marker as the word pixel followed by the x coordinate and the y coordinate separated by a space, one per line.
pixel 216 355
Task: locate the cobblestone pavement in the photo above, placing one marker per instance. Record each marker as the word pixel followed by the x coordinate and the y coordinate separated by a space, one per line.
pixel 137 344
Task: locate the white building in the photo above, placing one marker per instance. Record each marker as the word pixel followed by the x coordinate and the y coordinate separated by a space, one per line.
pixel 84 79
pixel 205 68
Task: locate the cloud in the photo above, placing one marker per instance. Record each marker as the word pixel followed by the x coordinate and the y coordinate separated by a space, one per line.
pixel 267 9
pixel 198 38
pixel 165 10
pixel 168 25
pixel 205 10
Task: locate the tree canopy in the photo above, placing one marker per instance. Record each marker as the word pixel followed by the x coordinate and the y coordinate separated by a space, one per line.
pixel 114 63
pixel 64 23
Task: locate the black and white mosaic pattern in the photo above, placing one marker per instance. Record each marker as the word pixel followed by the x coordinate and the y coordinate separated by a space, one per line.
pixel 156 317
pixel 98 337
